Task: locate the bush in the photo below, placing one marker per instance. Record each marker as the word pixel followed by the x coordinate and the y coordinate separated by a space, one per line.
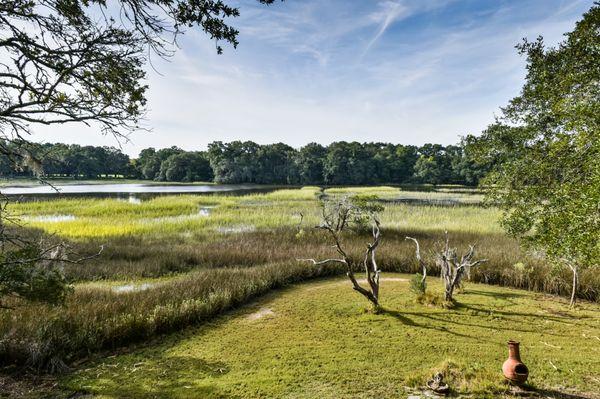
pixel 418 286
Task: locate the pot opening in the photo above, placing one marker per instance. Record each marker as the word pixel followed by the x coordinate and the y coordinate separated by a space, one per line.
pixel 521 369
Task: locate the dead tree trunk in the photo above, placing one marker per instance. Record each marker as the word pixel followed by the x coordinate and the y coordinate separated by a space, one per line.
pixel 334 223
pixel 372 271
pixel 419 259
pixel 453 270
pixel 575 283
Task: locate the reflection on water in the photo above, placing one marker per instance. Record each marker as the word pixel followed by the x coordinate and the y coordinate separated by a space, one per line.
pixel 132 199
pixel 50 218
pixel 132 287
pixel 242 228
pixel 133 193
pixel 124 188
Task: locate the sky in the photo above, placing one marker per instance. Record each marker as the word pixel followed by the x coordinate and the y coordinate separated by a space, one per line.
pixel 399 71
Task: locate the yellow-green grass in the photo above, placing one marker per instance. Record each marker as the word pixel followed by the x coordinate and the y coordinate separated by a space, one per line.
pixel 455 195
pixel 246 246
pixel 317 340
pixel 98 315
pixel 104 218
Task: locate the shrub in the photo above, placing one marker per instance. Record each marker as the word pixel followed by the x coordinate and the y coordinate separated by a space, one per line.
pixel 418 286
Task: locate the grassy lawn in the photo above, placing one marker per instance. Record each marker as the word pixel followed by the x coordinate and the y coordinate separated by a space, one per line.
pixel 177 261
pixel 316 340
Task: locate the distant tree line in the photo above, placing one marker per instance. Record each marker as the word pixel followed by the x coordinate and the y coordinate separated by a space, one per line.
pixel 65 160
pixel 339 163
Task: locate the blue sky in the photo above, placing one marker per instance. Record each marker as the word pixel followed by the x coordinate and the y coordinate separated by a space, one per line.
pixel 401 71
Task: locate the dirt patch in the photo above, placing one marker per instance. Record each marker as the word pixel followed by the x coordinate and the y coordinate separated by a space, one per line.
pixel 261 313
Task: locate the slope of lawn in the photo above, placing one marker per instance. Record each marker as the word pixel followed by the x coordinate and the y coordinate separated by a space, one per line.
pixel 317 340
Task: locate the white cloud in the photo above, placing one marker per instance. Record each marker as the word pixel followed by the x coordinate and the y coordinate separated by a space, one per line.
pixel 389 12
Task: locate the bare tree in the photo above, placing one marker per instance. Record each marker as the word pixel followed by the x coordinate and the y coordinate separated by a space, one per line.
pixel 572 264
pixel 338 216
pixel 419 259
pixel 453 270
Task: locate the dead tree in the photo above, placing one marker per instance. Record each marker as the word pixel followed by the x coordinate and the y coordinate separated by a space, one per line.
pixel 453 270
pixel 337 219
pixel 574 269
pixel 419 259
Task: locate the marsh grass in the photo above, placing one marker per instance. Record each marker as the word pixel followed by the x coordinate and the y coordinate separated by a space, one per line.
pixel 200 266
pixel 97 318
pixel 318 342
pixel 446 194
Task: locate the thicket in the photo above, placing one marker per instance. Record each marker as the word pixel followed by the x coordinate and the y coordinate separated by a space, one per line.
pixel 340 163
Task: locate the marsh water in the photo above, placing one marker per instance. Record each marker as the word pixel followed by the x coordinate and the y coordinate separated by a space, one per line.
pixel 137 192
pixel 132 192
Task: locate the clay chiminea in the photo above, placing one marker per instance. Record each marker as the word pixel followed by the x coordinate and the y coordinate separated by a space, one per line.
pixel 513 368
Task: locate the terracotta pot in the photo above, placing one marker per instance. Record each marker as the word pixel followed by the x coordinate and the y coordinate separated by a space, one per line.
pixel 513 368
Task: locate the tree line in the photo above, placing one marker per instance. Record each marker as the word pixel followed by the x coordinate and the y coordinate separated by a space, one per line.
pixel 339 163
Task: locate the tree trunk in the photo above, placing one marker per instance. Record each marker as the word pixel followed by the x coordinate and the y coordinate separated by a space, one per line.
pixel 448 294
pixel 574 287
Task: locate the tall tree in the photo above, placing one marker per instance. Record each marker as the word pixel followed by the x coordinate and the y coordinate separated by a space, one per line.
pixel 546 149
pixel 427 170
pixel 309 163
pixel 186 167
pixel 276 164
pixel 234 162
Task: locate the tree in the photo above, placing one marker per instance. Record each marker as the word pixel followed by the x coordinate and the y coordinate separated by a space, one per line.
pixel 186 167
pixel 309 163
pixel 275 164
pixel 234 162
pixel 82 61
pixel 348 163
pixel 453 270
pixel 545 150
pixel 427 170
pixel 466 169
pixel 342 215
pixel 423 277
pixel 147 164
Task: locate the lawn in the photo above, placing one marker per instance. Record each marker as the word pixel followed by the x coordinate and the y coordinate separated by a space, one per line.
pixel 178 261
pixel 316 340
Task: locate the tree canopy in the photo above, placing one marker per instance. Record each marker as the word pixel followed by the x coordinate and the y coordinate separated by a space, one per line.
pixel 545 148
pixel 249 162
pixel 83 60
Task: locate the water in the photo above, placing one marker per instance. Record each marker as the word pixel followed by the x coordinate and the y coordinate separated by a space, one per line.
pixel 132 287
pixel 133 193
pixel 50 218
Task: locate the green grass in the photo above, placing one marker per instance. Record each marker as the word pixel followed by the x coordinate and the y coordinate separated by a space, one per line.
pixel 316 340
pixel 164 216
pixel 198 267
pixel 452 195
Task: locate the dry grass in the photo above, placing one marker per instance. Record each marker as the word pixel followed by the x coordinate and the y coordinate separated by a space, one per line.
pixel 200 265
pixel 319 342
